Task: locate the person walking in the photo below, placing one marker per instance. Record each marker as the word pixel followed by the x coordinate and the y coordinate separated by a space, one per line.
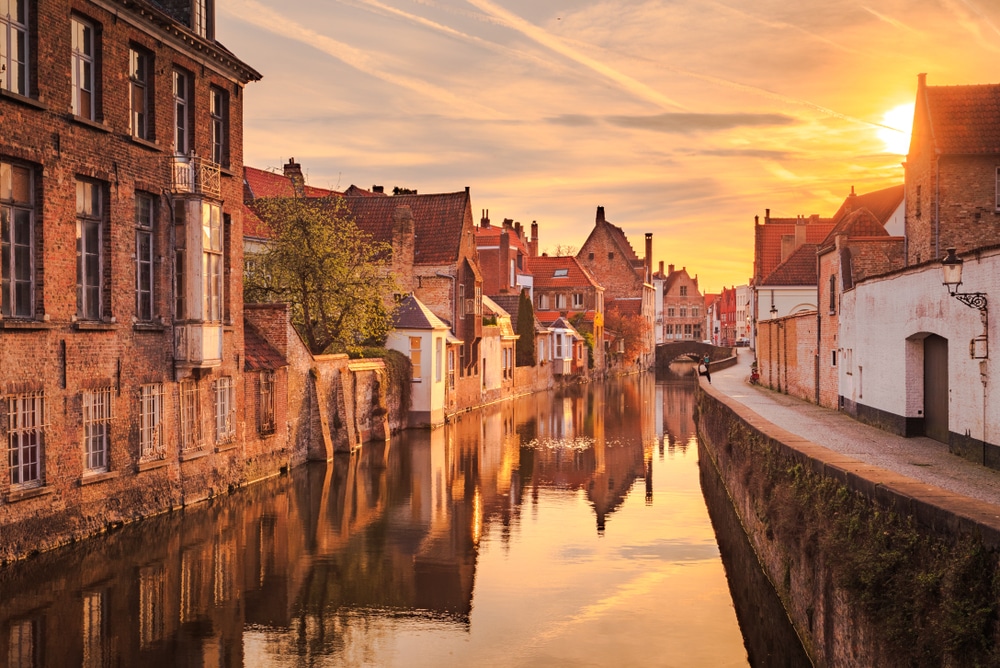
pixel 706 362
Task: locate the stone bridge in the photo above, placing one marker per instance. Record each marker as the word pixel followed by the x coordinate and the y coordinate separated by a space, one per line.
pixel 694 350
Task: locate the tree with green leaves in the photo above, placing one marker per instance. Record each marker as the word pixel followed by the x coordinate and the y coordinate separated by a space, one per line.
pixel 334 276
pixel 525 348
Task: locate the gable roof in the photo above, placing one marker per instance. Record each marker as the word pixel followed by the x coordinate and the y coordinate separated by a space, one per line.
pixel 413 314
pixel 355 191
pixel 675 276
pixel 544 269
pixel 882 203
pixel 798 269
pixel 768 240
pixel 617 236
pixel 963 120
pixel 438 222
pixel 859 223
pixel 259 183
pixel 490 236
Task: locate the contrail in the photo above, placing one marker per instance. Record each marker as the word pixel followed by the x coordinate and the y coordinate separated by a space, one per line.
pixel 781 25
pixel 895 23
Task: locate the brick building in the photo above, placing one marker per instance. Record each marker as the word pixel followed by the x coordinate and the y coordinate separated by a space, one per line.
pixel 121 329
pixel 952 171
pixel 683 306
pixel 608 255
pixel 503 253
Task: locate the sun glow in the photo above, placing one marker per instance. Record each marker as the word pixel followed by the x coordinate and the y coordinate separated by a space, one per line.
pixel 896 136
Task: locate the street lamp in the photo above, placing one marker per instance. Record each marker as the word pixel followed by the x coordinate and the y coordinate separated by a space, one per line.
pixel 951 269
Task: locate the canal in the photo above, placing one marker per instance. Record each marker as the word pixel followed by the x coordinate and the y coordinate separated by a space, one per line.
pixel 568 528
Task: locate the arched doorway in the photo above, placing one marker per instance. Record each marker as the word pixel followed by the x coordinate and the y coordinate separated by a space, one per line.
pixel 936 388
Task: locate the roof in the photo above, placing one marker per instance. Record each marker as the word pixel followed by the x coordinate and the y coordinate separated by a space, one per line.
pixel 490 236
pixel 438 221
pixel 259 183
pixel 674 276
pixel 545 268
pixel 258 354
pixel 625 306
pixel 798 269
pixel 859 223
pixel 494 308
pixel 964 120
pixel 354 191
pixel 767 240
pixel 413 314
pixel 882 203
pixel 511 304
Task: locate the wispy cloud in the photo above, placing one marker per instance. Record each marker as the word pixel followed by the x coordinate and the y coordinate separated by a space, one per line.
pixel 554 43
pixel 782 25
pixel 677 123
pixel 973 19
pixel 895 23
pixel 272 21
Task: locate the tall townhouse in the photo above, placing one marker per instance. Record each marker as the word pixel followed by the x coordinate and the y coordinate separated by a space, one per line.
pixel 121 331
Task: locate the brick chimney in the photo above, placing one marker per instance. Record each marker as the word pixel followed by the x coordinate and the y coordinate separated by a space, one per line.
pixel 485 220
pixel 533 242
pixel 503 258
pixel 648 260
pixel 600 214
pixel 661 268
pixel 378 189
pixel 800 231
pixel 403 247
pixel 293 172
pixel 670 269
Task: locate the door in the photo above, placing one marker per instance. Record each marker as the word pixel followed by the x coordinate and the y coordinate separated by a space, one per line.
pixel 936 388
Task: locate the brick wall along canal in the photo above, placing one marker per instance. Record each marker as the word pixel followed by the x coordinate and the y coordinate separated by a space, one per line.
pixel 557 528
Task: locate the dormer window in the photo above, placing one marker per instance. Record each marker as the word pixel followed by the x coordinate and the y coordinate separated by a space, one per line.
pixel 561 273
pixel 201 18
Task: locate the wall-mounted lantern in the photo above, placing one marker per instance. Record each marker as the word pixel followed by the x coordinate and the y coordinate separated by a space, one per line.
pixel 951 269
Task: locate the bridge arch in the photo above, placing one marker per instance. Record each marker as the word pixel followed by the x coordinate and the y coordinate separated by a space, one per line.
pixel 695 350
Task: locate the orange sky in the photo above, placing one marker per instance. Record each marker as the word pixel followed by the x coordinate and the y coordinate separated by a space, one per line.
pixel 684 119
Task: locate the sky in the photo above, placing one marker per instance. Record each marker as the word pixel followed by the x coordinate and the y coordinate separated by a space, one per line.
pixel 683 118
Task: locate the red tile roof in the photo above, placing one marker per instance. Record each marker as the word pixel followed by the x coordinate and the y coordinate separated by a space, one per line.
pixel 259 355
pixel 355 191
pixel 544 269
pixel 490 236
pixel 965 120
pixel 859 223
pixel 624 306
pixel 438 222
pixel 767 241
pixel 798 269
pixel 253 226
pixel 882 203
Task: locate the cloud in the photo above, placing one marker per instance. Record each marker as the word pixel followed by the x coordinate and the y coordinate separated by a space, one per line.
pixel 687 122
pixel 891 21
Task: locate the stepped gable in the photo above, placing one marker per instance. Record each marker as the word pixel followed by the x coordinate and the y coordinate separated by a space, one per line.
pixel 798 269
pixel 439 221
pixel 965 120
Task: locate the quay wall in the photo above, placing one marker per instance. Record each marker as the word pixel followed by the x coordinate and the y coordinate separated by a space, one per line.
pixel 872 567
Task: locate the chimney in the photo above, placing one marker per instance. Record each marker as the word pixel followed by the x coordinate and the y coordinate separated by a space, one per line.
pixel 378 189
pixel 293 172
pixel 403 247
pixel 485 220
pixel 600 214
pixel 648 260
pixel 503 258
pixel 800 231
pixel 670 269
pixel 661 267
pixel 767 216
pixel 756 220
pixel 533 243
pixel 519 230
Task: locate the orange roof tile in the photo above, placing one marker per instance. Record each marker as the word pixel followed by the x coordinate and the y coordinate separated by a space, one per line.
pixel 798 269
pixel 965 120
pixel 882 203
pixel 545 268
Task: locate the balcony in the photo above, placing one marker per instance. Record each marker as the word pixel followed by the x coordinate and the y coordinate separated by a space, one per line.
pixel 198 345
pixel 191 175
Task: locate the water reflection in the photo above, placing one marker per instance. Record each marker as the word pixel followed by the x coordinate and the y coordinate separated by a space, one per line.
pixel 528 533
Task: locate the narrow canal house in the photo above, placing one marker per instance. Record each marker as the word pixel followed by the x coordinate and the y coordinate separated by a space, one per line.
pixel 121 337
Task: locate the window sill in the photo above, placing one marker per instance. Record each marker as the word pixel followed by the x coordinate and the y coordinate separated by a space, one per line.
pixel 151 464
pixel 8 323
pixel 94 326
pixel 100 476
pixel 148 327
pixel 80 120
pixel 21 99
pixel 225 171
pixel 145 143
pixel 23 494
pixel 224 447
pixel 194 454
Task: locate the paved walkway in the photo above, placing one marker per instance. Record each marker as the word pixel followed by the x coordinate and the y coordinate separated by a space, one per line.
pixel 919 458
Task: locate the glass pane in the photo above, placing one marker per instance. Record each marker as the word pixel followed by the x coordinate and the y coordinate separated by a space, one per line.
pixel 6 191
pixel 93 233
pixel 145 246
pixel 92 304
pixel 22 227
pixel 4 83
pixel 22 263
pixel 88 40
pixel 22 299
pixel 21 178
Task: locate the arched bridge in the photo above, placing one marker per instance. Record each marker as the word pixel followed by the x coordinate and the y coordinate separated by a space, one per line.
pixel 695 350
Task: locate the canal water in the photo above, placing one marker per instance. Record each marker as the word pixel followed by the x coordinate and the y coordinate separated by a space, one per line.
pixel 559 529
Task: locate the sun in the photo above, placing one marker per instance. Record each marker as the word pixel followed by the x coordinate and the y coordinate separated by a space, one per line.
pixel 896 134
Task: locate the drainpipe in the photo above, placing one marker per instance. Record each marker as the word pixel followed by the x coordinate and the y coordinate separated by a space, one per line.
pixel 937 205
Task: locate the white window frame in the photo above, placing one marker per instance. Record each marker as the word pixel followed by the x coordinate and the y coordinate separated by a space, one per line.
pixel 266 420
pixel 212 262
pixel 23 648
pixel 98 412
pixel 577 300
pixel 416 353
pixel 139 67
pixel 182 97
pixel 145 242
pixel 14 59
pixel 151 422
pixel 219 115
pixel 190 415
pixel 225 429
pixel 89 244
pixel 438 359
pixel 84 69
pixel 451 368
pixel 25 439
pixel 201 17
pixel 17 216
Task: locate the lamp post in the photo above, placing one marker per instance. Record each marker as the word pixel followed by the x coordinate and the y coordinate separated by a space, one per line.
pixel 951 269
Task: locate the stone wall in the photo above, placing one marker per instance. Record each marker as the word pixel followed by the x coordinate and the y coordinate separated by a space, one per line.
pixel 872 567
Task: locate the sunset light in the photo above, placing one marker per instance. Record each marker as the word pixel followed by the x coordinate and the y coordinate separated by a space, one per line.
pixel 896 136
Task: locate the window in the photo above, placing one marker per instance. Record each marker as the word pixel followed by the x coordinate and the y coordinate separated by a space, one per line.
pixel 201 18
pixel 24 649
pixel 611 256
pixel 181 95
pixel 560 273
pixel 224 429
pixel 670 331
pixel 190 415
pixel 415 357
pixel 577 300
pixel 683 312
pixel 211 267
pixel 14 47
pixel 694 311
pixel 513 273
pixel 17 240
pixel 150 418
pixel 670 311
pixel 84 69
pixel 833 294
pixel 143 257
pixel 96 429
pixel 451 369
pixel 543 302
pixel 89 250
pixel 697 332
pixel 25 426
pixel 833 358
pixel 139 62
pixel 590 256
pixel 267 421
pixel 95 634
pixel 559 346
pixel 219 114
pixel 180 241
pixel 687 331
pixel 918 195
pixel 560 301
pixel 438 358
pixel 684 291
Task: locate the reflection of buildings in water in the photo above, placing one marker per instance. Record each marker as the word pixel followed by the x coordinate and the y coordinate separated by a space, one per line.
pixel 675 392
